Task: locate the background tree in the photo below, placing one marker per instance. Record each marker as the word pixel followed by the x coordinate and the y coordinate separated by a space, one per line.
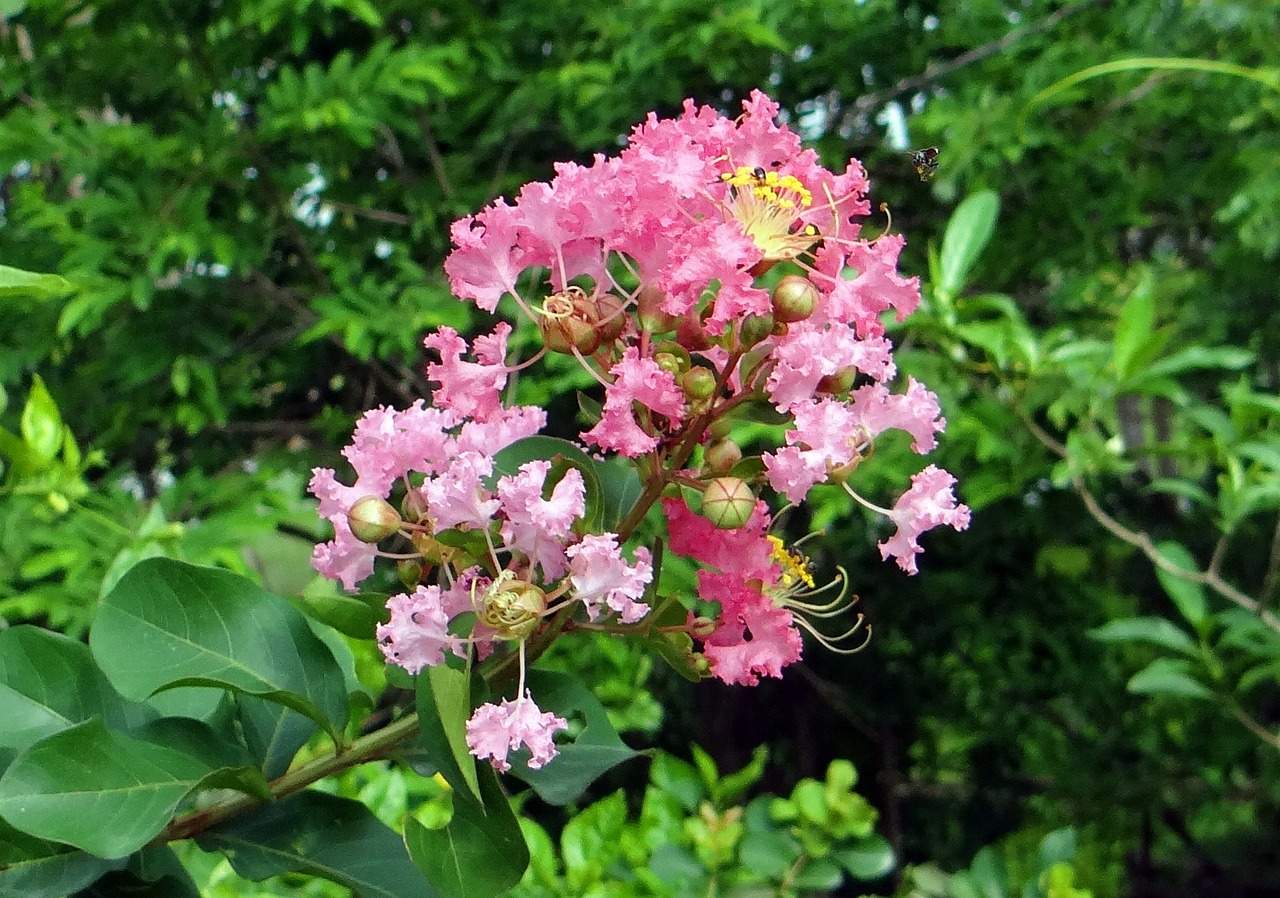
pixel 252 200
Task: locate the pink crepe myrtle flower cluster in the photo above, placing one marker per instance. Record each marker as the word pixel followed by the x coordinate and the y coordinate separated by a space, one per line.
pixel 712 264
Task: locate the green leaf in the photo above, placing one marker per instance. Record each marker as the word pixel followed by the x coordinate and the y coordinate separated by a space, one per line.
pixel 103 791
pixel 49 682
pixel 1195 358
pixel 967 234
pixel 870 858
pixel 154 872
pixel 168 624
pixel 1186 594
pixel 14 282
pixel 273 733
pixel 620 488
pixel 1165 676
pixel 321 835
pixel 579 763
pixel 1135 326
pixel 1155 630
pixel 356 616
pixel 988 876
pixel 1056 847
pixel 36 868
pixel 480 853
pixel 444 706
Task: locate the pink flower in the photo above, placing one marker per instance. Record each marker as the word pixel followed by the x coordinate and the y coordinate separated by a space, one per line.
pixel 472 389
pixel 754 637
pixel 539 527
pixel 418 632
pixel 600 574
pixel 929 502
pixel 742 551
pixel 496 730
pixel 636 380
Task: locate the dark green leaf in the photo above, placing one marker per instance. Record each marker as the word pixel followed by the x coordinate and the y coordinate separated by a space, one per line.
pixel 273 733
pixel 480 852
pixel 35 868
pixel 167 624
pixel 49 682
pixel 1164 676
pixel 869 858
pixel 322 835
pixel 596 749
pixel 102 791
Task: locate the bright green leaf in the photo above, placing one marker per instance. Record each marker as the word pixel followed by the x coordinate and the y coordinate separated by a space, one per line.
pixel 479 853
pixel 1155 630
pixel 967 234
pixel 1187 595
pixel 444 706
pixel 14 282
pixel 1164 676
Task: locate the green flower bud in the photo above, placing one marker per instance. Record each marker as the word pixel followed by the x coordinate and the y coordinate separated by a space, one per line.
pixel 794 298
pixel 373 519
pixel 753 329
pixel 698 383
pixel 649 310
pixel 728 502
pixel 409 570
pixel 840 382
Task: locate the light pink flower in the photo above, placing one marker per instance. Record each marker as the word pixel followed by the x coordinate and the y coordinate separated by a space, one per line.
pixel 536 526
pixel 930 501
pixel 636 380
pixel 600 574
pixel 418 632
pixel 472 389
pixel 496 730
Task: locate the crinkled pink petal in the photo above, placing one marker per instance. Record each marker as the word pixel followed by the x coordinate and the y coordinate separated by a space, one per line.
pixel 744 550
pixel 472 389
pixel 344 558
pixel 916 412
pixel 600 574
pixel 757 639
pixel 929 502
pixel 494 731
pixel 418 632
pixel 458 497
pixel 485 262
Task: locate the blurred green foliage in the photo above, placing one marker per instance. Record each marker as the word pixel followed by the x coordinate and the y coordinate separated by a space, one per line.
pixel 242 208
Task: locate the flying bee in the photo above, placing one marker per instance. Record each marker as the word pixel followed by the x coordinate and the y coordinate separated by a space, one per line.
pixel 925 162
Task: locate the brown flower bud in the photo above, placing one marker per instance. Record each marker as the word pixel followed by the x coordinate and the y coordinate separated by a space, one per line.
pixel 753 329
pixel 722 455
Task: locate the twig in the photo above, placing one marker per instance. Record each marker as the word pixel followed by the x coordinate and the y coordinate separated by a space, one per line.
pixel 375 214
pixel 433 154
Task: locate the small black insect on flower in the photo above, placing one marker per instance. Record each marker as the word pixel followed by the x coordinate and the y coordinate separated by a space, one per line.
pixel 926 162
